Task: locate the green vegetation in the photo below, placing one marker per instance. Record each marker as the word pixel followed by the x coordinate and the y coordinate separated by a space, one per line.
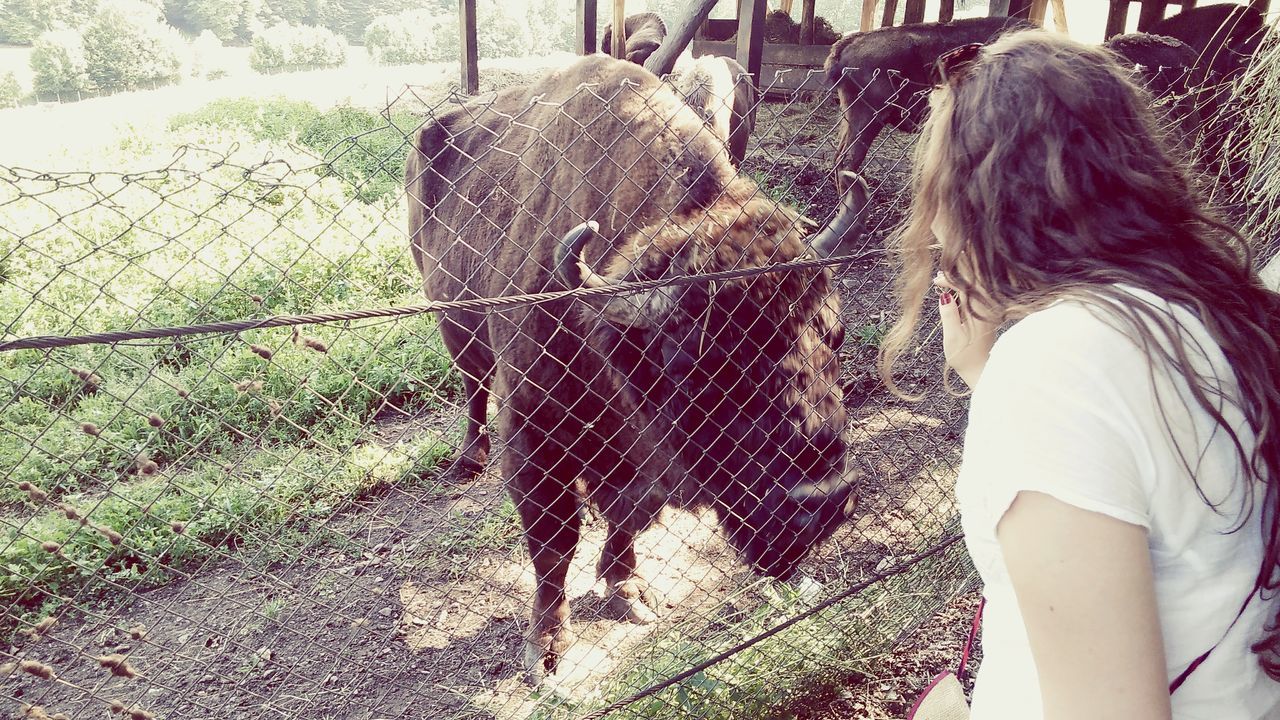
pixel 364 149
pixel 284 48
pixel 129 463
pixel 11 92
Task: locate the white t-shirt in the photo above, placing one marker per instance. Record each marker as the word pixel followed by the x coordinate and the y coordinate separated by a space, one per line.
pixel 1067 407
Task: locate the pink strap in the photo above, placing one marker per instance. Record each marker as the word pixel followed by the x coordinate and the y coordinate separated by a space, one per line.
pixel 973 633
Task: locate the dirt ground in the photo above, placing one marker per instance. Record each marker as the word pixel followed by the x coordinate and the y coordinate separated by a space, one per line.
pixel 412 603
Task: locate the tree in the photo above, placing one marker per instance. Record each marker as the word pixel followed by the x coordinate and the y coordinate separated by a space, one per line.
pixel 230 20
pixel 290 47
pixel 22 21
pixel 127 43
pixel 498 34
pixel 406 37
pixel 11 92
pixel 59 63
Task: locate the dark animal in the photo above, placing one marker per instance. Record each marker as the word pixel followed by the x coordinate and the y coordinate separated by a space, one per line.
pixel 1224 38
pixel 720 90
pixel 722 395
pixel 645 32
pixel 882 77
pixel 1165 67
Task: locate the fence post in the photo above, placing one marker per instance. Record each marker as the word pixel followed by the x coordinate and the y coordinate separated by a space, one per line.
pixel 1059 16
pixel 470 55
pixel 586 30
pixel 890 13
pixel 914 12
pixel 998 8
pixel 1117 18
pixel 751 37
pixel 620 29
pixel 947 11
pixel 806 22
pixel 868 15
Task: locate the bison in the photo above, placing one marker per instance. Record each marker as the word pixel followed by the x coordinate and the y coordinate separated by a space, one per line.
pixel 1165 67
pixel 881 76
pixel 644 34
pixel 721 91
pixel 720 395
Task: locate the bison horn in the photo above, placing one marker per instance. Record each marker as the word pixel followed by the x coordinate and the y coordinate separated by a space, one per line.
pixel 626 309
pixel 854 197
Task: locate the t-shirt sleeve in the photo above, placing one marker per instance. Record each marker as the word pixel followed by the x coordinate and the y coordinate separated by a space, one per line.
pixel 1049 416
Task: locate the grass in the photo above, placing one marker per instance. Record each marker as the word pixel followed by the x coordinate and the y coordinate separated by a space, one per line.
pixel 126 466
pixel 803 660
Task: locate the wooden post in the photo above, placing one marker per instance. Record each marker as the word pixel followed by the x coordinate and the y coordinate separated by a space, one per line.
pixel 1151 13
pixel 1117 18
pixel 947 11
pixel 1020 9
pixel 785 6
pixel 1036 12
pixel 619 29
pixel 890 13
pixel 806 21
pixel 751 37
pixel 998 8
pixel 914 13
pixel 868 15
pixel 470 56
pixel 678 36
pixel 1059 16
pixel 586 30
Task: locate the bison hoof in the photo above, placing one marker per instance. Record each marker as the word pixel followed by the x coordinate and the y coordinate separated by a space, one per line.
pixel 631 600
pixel 542 654
pixel 463 469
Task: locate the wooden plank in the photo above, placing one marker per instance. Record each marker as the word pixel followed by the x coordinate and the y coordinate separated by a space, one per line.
pixel 890 13
pixel 751 36
pixel 1036 11
pixel 586 30
pixel 663 60
pixel 1151 13
pixel 772 54
pixel 947 11
pixel 470 55
pixel 868 15
pixel 1117 19
pixel 1059 15
pixel 914 13
pixel 619 40
pixel 806 21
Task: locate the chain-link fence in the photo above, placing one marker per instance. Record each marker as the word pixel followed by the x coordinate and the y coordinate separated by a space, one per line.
pixel 531 497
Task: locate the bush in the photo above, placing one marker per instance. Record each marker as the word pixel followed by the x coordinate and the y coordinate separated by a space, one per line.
pixel 58 61
pixel 498 33
pixel 408 37
pixel 127 44
pixel 275 120
pixel 229 20
pixel 290 47
pixel 364 149
pixel 11 92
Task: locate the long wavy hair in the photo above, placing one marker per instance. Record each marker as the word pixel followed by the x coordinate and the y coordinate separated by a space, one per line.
pixel 1045 164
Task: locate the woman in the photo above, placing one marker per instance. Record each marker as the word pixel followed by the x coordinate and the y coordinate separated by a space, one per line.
pixel 1121 468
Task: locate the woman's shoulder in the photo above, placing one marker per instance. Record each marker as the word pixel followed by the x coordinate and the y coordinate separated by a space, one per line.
pixel 1071 328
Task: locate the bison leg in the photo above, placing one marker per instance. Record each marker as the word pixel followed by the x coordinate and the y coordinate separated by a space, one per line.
pixel 474 453
pixel 475 363
pixel 628 595
pixel 548 509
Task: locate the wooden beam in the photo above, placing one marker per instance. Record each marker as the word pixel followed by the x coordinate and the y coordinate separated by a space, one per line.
pixel 890 13
pixel 751 36
pixel 678 36
pixel 1117 19
pixel 1151 13
pixel 914 13
pixel 785 6
pixel 586 30
pixel 1059 15
pixel 947 11
pixel 470 55
pixel 619 40
pixel 868 15
pixel 806 21
pixel 1036 11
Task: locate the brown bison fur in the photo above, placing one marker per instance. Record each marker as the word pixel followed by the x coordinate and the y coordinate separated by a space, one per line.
pixel 722 395
pixel 720 90
pixel 645 32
